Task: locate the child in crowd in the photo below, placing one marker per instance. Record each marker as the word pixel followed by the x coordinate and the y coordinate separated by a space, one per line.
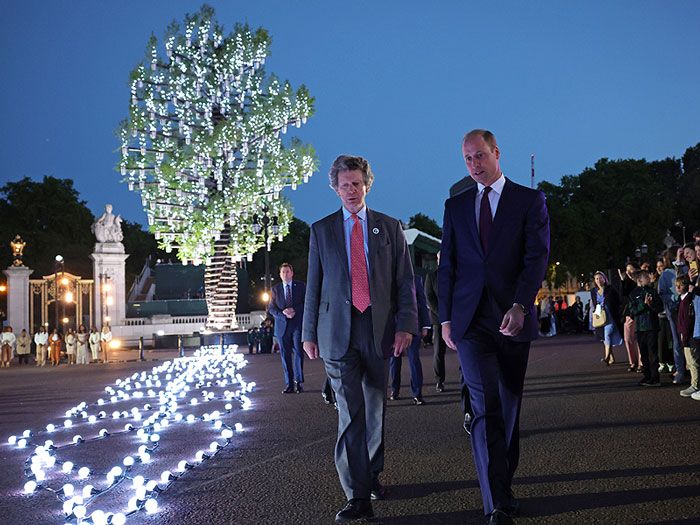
pixel 644 306
pixel 686 324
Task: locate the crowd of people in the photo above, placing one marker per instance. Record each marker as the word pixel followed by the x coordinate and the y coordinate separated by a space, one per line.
pixel 75 346
pixel 656 316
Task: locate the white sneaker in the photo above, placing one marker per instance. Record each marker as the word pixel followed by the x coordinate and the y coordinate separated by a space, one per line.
pixel 689 391
pixel 696 396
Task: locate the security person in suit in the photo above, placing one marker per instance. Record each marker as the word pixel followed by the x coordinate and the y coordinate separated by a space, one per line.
pixel 494 252
pixel 360 309
pixel 287 307
pixel 413 351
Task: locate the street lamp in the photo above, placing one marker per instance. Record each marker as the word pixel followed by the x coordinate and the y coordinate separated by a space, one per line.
pixel 58 265
pixel 266 225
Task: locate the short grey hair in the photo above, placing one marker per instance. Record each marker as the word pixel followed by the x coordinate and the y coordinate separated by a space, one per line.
pixel 350 163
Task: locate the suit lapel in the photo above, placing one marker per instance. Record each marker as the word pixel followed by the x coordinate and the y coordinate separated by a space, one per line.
pixel 338 234
pixel 470 217
pixel 504 206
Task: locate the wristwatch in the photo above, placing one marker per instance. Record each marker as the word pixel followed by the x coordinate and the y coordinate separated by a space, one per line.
pixel 522 308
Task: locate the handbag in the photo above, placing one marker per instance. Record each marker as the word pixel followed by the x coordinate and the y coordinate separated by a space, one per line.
pixel 600 319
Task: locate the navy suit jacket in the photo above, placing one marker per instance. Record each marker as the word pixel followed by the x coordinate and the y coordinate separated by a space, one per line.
pixel 514 267
pixel 277 305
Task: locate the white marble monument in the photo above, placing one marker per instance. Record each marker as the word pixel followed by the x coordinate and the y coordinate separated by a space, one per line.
pixel 109 270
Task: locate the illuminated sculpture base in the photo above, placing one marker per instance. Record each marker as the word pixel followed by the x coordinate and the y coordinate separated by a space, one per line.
pixel 109 275
pixel 18 298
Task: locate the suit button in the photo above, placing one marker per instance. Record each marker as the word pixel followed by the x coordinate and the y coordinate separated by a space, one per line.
pixel 347 302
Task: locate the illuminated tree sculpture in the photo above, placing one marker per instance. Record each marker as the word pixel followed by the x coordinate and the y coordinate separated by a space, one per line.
pixel 202 146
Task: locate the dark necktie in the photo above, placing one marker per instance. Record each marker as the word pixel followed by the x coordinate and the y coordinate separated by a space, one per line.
pixel 287 296
pixel 358 267
pixel 485 219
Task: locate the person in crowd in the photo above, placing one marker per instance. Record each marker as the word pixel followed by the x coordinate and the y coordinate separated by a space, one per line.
pixel 94 342
pixel 578 314
pixel 695 342
pixel 287 307
pixel 8 342
pixel 55 343
pixel 360 308
pixel 686 326
pixel 71 343
pixel 265 335
pixel 545 312
pixel 253 341
pixel 82 346
pixel 489 274
pixel 666 289
pixel 439 347
pixel 646 266
pixel 105 340
pixel 413 351
pixel 605 301
pixel 628 284
pixel 24 343
pixel 41 341
pixel 644 305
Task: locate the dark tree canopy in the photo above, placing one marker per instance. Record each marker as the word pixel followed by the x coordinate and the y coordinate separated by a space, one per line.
pixel 52 219
pixel 425 224
pixel 599 217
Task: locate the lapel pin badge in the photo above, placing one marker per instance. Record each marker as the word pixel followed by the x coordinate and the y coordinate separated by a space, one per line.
pixel 375 231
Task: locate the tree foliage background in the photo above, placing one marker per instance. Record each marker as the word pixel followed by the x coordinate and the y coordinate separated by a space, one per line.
pixel 52 219
pixel 599 217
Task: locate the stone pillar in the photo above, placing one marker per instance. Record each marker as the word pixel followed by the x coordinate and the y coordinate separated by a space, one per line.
pixel 18 298
pixel 109 268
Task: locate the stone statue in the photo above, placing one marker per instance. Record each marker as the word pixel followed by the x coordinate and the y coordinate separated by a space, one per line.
pixel 108 228
pixel 17 249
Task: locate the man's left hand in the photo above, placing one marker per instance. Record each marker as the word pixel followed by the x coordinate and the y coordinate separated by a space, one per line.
pixel 401 341
pixel 513 322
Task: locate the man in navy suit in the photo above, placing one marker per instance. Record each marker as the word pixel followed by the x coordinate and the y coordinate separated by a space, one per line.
pixel 287 307
pixel 413 351
pixel 495 247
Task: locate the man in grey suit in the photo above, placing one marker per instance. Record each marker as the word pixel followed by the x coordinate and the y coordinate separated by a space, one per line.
pixel 360 309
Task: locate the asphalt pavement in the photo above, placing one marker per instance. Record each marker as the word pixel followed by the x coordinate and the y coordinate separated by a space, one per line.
pixel 595 448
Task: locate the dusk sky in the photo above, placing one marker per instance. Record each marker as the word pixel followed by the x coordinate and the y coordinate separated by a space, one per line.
pixel 398 82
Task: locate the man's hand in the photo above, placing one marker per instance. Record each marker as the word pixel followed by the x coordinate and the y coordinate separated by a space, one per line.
pixel 693 273
pixel 401 341
pixel 447 336
pixel 288 312
pixel 424 332
pixel 311 349
pixel 513 322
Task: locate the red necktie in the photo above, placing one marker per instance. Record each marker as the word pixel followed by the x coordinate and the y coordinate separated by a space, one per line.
pixel 358 267
pixel 485 219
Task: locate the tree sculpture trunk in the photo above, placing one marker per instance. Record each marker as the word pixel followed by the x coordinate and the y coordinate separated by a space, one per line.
pixel 221 285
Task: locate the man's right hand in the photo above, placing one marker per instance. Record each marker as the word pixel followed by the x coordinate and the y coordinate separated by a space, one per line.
pixel 311 349
pixel 447 336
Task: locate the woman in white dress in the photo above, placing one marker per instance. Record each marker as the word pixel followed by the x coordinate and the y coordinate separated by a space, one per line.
pixel 105 339
pixel 71 343
pixel 41 340
pixel 82 337
pixel 7 343
pixel 94 341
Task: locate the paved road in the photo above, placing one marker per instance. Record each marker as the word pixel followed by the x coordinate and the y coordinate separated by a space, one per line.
pixel 595 449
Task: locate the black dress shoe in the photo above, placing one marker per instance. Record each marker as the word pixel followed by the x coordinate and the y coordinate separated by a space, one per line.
pixel 418 401
pixel 499 517
pixel 355 509
pixel 298 388
pixel 288 390
pixel 439 387
pixel 394 396
pixel 467 423
pixel 378 491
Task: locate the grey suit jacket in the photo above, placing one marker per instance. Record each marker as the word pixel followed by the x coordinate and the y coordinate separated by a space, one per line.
pixel 328 291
